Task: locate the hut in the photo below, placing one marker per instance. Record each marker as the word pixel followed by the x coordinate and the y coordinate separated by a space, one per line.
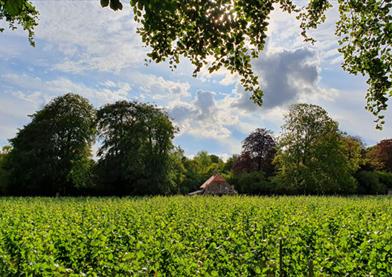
pixel 215 185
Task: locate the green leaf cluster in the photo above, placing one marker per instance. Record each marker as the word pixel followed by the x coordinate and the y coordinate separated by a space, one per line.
pixel 229 34
pixel 19 12
pixel 205 236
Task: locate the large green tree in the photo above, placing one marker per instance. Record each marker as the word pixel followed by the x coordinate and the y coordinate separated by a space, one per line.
pixel 134 157
pixel 312 158
pixel 230 33
pixel 355 151
pixel 177 170
pixel 52 154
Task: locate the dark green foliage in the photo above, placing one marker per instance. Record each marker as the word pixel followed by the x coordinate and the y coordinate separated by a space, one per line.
pixel 193 177
pixel 177 170
pixel 354 150
pixel 365 38
pixel 4 173
pixel 252 183
pixel 229 164
pixel 312 158
pixel 52 153
pixel 134 157
pixel 114 4
pixel 385 178
pixel 373 182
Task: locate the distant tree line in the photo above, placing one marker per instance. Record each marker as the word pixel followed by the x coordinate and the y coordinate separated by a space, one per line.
pixel 52 155
pixel 311 157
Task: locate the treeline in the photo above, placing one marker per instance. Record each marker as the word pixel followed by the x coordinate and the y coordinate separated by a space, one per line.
pixel 52 155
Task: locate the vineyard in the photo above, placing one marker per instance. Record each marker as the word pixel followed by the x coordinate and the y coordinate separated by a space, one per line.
pixel 185 236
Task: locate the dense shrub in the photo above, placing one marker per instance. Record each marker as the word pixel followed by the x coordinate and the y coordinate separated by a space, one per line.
pixel 252 183
pixel 386 179
pixel 373 182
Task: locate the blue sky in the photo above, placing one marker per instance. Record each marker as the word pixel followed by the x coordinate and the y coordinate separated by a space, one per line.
pixel 95 52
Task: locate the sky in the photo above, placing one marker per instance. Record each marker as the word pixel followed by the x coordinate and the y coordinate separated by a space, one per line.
pixel 84 49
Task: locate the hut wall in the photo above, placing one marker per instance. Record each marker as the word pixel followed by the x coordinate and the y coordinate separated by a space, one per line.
pixel 220 189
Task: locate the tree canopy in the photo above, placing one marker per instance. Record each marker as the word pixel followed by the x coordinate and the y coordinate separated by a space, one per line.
pixel 136 142
pixel 53 153
pixel 312 157
pixel 355 151
pixel 258 151
pixel 230 33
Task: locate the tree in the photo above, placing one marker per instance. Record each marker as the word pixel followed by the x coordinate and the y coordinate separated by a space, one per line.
pixel 312 157
pixel 207 164
pixel 199 169
pixel 381 155
pixel 193 176
pixel 4 152
pixel 229 34
pixel 258 152
pixel 229 164
pixel 136 145
pixel 354 149
pixel 253 183
pixel 177 170
pixel 52 154
pixel 373 182
pixel 19 12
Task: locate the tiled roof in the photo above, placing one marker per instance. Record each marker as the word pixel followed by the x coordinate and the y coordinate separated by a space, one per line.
pixel 214 179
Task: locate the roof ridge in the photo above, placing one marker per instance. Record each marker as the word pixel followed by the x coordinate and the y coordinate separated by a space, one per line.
pixel 215 178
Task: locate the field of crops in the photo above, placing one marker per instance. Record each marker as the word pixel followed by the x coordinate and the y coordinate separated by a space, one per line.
pixel 185 236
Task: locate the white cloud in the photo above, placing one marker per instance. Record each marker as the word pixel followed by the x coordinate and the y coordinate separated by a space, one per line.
pixel 40 92
pixel 284 33
pixel 158 88
pixel 203 116
pixel 348 109
pixel 222 76
pixel 13 114
pixel 76 40
pixel 89 37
